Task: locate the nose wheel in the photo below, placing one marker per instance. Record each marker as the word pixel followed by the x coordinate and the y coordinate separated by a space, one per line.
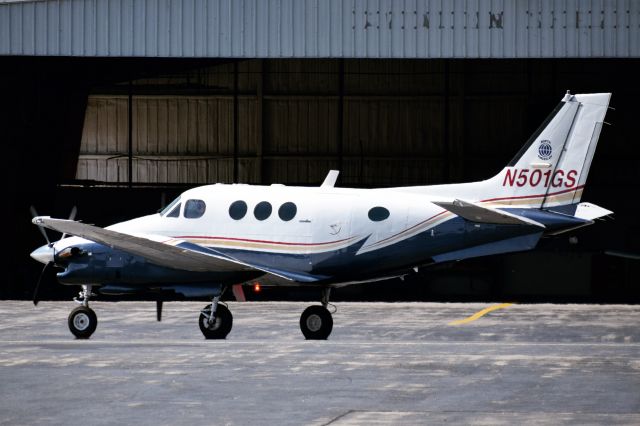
pixel 82 322
pixel 215 320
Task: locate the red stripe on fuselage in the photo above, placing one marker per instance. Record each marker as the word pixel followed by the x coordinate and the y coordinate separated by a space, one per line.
pixel 260 241
pixel 409 229
pixel 533 196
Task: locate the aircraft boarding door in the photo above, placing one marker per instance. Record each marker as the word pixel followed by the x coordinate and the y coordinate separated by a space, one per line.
pixel 380 220
pixel 330 221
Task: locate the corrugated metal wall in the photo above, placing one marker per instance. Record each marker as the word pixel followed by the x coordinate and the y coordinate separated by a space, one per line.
pixel 322 28
pixel 177 139
pixel 380 122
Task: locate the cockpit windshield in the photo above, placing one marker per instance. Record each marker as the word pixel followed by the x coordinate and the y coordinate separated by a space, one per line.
pixel 169 207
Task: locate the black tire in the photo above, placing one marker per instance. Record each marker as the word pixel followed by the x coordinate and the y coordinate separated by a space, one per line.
pixel 316 323
pixel 221 326
pixel 82 322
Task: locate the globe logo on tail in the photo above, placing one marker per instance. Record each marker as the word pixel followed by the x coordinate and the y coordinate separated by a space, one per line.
pixel 545 151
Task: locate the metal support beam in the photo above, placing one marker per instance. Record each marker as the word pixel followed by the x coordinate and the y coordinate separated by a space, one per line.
pixel 130 135
pixel 447 122
pixel 340 127
pixel 236 114
pixel 260 122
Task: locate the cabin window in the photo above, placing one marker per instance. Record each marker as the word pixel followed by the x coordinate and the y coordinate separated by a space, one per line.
pixel 175 212
pixel 194 209
pixel 262 210
pixel 238 209
pixel 287 211
pixel 378 214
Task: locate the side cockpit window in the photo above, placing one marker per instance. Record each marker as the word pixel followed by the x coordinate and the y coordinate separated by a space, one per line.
pixel 175 212
pixel 194 209
pixel 170 208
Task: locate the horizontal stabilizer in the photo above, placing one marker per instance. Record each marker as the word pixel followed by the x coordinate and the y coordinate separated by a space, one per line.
pixel 476 213
pixel 588 211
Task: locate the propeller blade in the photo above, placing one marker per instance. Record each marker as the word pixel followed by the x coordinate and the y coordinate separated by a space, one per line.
pixel 159 310
pixel 37 289
pixel 34 213
pixel 72 216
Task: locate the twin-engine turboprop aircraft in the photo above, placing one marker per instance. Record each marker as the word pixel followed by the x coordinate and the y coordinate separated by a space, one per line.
pixel 216 236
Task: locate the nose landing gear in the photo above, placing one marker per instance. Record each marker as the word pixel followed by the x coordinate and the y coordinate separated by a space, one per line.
pixel 215 320
pixel 83 320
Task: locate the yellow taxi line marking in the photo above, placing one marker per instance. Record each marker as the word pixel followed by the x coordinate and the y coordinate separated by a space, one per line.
pixel 481 313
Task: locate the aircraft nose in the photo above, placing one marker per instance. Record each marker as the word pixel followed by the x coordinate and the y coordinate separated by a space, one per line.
pixel 43 254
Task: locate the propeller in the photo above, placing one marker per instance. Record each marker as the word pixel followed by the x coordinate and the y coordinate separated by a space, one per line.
pixel 37 289
pixel 34 214
pixel 72 216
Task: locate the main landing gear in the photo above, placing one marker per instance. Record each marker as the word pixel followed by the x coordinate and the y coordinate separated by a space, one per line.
pixel 82 320
pixel 215 320
pixel 316 322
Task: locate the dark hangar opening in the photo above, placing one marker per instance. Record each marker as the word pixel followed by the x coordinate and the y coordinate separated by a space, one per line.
pixel 387 122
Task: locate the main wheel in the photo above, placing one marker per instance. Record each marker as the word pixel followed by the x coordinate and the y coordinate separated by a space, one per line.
pixel 316 323
pixel 82 322
pixel 219 328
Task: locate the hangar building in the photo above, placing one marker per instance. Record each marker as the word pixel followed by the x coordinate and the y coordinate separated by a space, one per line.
pixel 116 106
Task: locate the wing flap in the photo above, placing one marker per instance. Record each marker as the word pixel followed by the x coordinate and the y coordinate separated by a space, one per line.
pixel 476 213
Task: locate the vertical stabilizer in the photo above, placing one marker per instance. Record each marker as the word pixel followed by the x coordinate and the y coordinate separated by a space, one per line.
pixel 552 168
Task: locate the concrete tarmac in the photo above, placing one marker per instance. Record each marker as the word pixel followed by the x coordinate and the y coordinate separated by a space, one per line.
pixel 400 363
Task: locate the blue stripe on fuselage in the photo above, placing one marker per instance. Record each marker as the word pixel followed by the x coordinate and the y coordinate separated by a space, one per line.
pixel 454 234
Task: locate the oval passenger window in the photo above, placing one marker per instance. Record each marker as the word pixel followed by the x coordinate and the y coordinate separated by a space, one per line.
pixel 378 214
pixel 287 211
pixel 262 210
pixel 238 209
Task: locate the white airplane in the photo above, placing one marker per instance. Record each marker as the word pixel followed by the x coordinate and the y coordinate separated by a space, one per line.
pixel 216 236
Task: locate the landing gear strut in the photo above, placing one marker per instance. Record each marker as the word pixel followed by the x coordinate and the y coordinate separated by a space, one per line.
pixel 82 320
pixel 215 320
pixel 316 322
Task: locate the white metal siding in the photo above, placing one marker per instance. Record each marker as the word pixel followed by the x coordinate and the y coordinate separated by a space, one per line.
pixel 319 28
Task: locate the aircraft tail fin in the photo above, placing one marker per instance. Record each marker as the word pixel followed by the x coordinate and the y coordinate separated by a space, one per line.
pixel 551 168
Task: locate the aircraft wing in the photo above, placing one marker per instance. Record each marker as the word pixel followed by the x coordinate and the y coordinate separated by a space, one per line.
pixel 156 252
pixel 477 213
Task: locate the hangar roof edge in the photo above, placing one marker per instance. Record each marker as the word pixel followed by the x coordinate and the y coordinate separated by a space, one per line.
pixel 320 29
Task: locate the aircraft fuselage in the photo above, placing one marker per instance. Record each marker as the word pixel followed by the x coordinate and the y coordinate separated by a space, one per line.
pixel 344 235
